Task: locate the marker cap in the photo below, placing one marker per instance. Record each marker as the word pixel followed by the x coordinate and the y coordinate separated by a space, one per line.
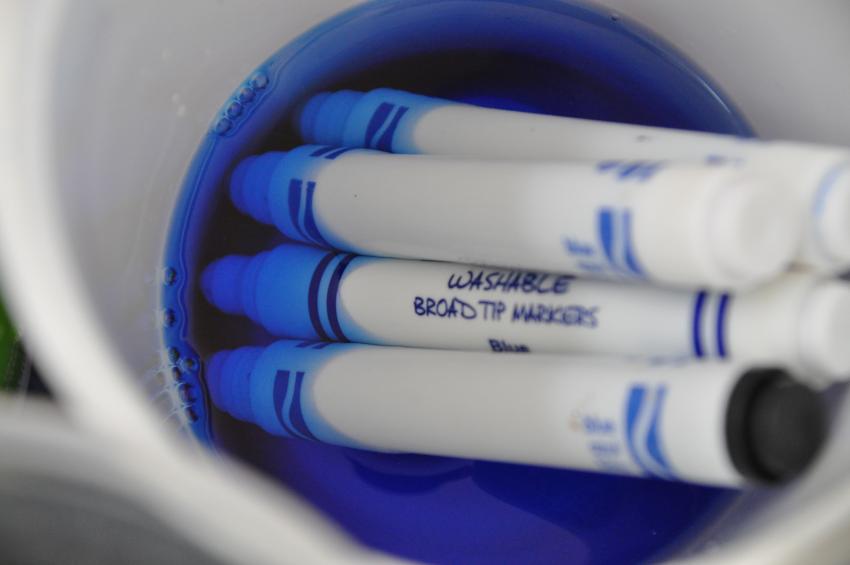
pixel 801 318
pixel 824 327
pixel 775 426
pixel 753 233
pixel 736 230
pixel 834 220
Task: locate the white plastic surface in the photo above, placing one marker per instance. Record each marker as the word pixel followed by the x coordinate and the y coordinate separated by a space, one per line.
pixel 88 185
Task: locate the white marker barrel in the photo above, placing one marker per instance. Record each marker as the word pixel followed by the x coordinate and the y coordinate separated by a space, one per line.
pixel 708 423
pixel 392 120
pixel 686 226
pixel 799 320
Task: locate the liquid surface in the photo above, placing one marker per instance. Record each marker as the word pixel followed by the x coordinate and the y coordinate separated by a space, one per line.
pixel 539 56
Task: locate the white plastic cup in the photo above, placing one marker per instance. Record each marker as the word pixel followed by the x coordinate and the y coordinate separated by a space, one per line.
pixel 106 104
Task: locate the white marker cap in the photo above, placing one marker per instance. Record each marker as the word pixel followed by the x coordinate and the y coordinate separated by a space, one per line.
pixel 738 229
pixel 834 215
pixel 753 233
pixel 804 316
pixel 820 178
pixel 824 330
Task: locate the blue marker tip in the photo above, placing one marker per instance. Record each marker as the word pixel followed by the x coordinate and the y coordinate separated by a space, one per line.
pixel 221 283
pixel 238 378
pixel 213 375
pixel 322 119
pixel 237 184
pixel 249 185
pixel 305 115
pixel 228 376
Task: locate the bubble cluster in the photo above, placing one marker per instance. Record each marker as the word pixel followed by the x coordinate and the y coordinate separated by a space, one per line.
pixel 235 110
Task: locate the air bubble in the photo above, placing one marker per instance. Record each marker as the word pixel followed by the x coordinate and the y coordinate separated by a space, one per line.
pixel 168 318
pixel 234 109
pixel 189 364
pixel 173 354
pixel 245 95
pixel 223 126
pixel 185 393
pixel 169 277
pixel 259 81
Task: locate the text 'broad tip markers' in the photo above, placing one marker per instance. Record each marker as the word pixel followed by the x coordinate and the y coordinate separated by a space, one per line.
pixel 800 320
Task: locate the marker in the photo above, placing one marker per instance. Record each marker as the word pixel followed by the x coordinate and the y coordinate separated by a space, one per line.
pixel 392 120
pixel 711 423
pixel 686 226
pixel 296 291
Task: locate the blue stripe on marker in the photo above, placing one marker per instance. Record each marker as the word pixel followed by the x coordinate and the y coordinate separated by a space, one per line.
pixel 377 121
pixel 313 344
pixel 606 233
pixel 295 199
pixel 333 289
pixel 699 302
pixel 721 325
pixel 648 170
pixel 310 220
pixel 606 166
pixel 295 413
pixel 631 259
pixel 653 440
pixel 281 384
pixel 322 296
pixel 385 143
pixel 629 169
pixel 313 296
pixel 322 150
pixel 286 411
pixel 302 212
pixel 339 152
pixel 633 408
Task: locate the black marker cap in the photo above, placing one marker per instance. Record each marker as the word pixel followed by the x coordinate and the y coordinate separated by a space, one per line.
pixel 775 426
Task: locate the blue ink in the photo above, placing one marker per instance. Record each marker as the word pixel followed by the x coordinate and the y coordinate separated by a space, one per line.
pixel 502 346
pixel 444 308
pixel 510 281
pixel 567 315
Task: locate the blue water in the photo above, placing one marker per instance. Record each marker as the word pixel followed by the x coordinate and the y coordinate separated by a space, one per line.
pixel 536 55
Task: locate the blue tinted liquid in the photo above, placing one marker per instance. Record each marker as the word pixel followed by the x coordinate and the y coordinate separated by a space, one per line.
pixel 541 56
